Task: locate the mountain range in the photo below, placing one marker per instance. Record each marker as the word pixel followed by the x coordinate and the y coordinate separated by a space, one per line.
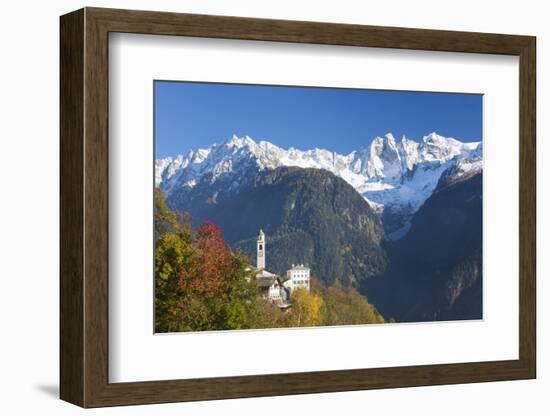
pixel 394 177
pixel 400 221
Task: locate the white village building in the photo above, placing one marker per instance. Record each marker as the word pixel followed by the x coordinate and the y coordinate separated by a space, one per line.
pixel 298 276
pixel 276 288
pixel 260 251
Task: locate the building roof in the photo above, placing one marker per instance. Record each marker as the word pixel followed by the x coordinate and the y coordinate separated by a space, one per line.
pixel 299 267
pixel 264 274
pixel 266 282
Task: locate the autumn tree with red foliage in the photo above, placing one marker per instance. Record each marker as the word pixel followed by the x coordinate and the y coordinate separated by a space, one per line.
pixel 211 268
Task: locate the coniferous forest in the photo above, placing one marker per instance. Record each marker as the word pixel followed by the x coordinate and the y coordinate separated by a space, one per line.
pixel 201 284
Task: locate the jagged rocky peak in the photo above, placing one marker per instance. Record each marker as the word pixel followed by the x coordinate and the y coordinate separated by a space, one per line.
pixel 477 152
pixel 237 142
pixel 410 153
pixel 463 169
pixel 438 148
pixel 199 155
pixel 385 159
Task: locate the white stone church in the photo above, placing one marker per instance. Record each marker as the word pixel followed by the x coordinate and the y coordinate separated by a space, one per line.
pixel 277 288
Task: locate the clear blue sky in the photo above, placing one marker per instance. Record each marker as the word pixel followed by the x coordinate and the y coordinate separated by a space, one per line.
pixel 196 115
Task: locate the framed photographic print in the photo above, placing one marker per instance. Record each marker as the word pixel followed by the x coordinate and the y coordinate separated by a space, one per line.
pixel 255 207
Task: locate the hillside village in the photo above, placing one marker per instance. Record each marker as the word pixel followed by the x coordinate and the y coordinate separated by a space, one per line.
pixel 203 285
pixel 278 289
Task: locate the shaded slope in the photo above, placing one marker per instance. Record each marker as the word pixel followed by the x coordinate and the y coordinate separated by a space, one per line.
pixel 436 269
pixel 310 216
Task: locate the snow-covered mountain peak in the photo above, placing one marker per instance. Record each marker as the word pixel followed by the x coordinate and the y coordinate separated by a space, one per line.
pixel 389 137
pixel 433 136
pixel 237 142
pixel 386 140
pixel 434 147
pixel 389 173
pixel 199 156
pixel 435 139
pixel 385 159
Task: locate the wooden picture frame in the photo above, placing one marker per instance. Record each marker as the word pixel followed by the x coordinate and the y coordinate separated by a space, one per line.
pixel 84 207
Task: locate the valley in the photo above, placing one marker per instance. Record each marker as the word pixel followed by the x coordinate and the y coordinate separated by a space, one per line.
pixel 400 220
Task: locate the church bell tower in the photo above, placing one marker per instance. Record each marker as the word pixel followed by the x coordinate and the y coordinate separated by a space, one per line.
pixel 260 251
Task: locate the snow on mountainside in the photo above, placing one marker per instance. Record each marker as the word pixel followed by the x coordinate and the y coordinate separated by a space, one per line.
pixel 462 169
pixel 395 177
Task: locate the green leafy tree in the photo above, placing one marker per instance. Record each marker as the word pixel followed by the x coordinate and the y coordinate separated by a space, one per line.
pixel 173 253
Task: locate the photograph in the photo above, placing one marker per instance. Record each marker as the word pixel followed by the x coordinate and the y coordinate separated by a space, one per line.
pixel 282 206
pixel 361 189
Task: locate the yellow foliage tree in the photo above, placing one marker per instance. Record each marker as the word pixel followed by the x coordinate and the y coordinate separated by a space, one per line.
pixel 306 308
pixel 346 306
